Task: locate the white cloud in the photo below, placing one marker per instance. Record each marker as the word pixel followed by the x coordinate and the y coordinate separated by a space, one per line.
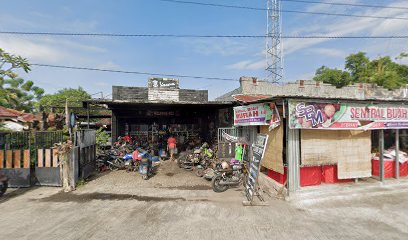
pixel 388 27
pixel 403 61
pixel 329 52
pixel 331 8
pixel 103 84
pixel 349 26
pixel 32 50
pixel 109 65
pixel 342 26
pixel 73 45
pixel 247 65
pixel 304 76
pixel 223 47
pixel 46 50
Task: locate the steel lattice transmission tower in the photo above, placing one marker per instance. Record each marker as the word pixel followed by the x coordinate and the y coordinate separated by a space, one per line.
pixel 274 66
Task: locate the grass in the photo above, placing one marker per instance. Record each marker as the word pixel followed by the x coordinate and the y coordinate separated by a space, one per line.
pixel 81 182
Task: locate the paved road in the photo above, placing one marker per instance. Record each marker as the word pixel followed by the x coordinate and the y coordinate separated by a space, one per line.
pixel 177 205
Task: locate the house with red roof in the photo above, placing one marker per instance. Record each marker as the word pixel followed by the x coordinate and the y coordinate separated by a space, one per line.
pixel 16 120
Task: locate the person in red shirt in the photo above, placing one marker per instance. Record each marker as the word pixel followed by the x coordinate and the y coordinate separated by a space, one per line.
pixel 171 146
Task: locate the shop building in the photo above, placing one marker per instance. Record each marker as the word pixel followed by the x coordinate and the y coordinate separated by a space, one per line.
pixel 150 114
pixel 318 134
pixel 326 134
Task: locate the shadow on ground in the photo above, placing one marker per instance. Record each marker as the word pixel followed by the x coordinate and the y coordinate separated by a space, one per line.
pixel 86 197
pixel 12 193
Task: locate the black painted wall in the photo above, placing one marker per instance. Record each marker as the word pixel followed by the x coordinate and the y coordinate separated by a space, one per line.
pixel 141 94
pixel 188 95
pixel 129 93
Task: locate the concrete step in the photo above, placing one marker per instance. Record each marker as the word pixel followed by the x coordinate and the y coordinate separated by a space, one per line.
pixel 346 191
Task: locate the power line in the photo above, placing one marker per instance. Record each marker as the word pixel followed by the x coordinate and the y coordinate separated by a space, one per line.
pixel 215 5
pixel 133 72
pixel 197 36
pixel 346 37
pixel 346 4
pixel 283 10
pixel 129 35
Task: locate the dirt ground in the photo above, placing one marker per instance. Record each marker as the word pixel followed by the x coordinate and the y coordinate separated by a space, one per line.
pixel 175 204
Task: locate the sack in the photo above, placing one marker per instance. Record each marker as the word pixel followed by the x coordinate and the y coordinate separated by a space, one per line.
pixel 175 151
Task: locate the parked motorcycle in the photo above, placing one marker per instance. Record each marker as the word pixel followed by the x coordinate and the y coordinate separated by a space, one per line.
pixel 206 158
pixel 3 184
pixel 229 175
pixel 209 173
pixel 146 163
pixel 116 163
pixel 198 160
pixel 134 163
pixel 127 160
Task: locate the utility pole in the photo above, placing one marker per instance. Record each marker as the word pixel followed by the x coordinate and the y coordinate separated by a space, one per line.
pixel 274 66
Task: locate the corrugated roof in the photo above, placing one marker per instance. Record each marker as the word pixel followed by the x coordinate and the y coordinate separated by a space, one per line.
pixel 249 98
pixel 5 112
pixel 27 117
pixel 20 116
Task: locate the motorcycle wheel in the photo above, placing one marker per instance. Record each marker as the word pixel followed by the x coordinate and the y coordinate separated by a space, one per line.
pixel 215 183
pixel 112 167
pixel 179 163
pixel 245 180
pixel 136 167
pixel 3 188
pixel 199 172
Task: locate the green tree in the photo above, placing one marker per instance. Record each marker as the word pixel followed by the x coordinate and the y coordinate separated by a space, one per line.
pixel 102 139
pixel 334 77
pixel 382 71
pixel 358 66
pixel 15 92
pixel 74 97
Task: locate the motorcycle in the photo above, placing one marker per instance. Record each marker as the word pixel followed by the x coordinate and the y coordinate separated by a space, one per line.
pixel 229 174
pixel 209 173
pixel 146 163
pixel 206 158
pixel 197 161
pixel 134 163
pixel 191 160
pixel 3 184
pixel 116 163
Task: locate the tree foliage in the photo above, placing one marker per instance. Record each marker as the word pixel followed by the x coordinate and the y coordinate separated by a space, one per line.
pixel 335 76
pixel 102 138
pixel 382 71
pixel 15 92
pixel 74 97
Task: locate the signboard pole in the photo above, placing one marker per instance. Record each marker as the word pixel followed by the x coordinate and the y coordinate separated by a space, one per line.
pixel 381 148
pixel 67 120
pixel 397 153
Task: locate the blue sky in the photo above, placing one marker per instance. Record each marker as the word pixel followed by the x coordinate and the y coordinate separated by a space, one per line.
pixel 227 58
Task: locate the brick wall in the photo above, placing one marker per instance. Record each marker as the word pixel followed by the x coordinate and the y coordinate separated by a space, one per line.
pixel 310 88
